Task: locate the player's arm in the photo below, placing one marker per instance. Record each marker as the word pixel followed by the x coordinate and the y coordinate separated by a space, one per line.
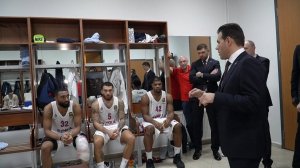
pixel 77 120
pixel 170 110
pixel 47 123
pixel 97 119
pixel 145 112
pixel 121 114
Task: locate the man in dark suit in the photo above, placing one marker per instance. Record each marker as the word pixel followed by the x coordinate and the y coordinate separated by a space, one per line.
pixel 295 86
pixel 148 77
pixel 204 75
pixel 240 101
pixel 249 47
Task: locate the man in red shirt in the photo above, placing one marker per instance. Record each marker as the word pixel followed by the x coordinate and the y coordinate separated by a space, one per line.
pixel 181 75
pixel 174 87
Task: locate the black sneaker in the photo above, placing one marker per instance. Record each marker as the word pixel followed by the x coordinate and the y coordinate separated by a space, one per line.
pixel 177 160
pixel 150 164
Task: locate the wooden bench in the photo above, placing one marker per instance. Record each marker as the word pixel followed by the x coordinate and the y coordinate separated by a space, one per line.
pixel 14 118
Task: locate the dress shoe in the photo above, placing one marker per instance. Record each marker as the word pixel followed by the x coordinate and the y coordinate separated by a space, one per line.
pixel 217 156
pixel 197 155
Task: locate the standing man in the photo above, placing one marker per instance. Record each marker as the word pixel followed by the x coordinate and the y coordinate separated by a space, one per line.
pixel 240 101
pixel 148 77
pixel 62 123
pixel 204 75
pixel 158 114
pixel 249 47
pixel 181 75
pixel 109 122
pixel 296 102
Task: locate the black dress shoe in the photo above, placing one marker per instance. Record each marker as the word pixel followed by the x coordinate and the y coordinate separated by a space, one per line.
pixel 197 155
pixel 217 156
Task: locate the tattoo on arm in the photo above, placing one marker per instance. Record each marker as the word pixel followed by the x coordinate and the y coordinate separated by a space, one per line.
pixel 121 115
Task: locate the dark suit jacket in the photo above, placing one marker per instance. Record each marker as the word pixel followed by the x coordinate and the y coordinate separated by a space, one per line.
pixel 209 80
pixel 148 79
pixel 266 64
pixel 241 109
pixel 296 76
pixel 295 81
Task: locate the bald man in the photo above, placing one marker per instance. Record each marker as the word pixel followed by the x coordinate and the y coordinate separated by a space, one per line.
pixel 249 47
pixel 181 75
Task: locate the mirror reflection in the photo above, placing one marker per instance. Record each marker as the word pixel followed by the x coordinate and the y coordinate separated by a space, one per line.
pixel 15 85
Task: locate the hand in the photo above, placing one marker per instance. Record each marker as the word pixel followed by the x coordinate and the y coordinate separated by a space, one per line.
pixel 214 71
pixel 67 138
pixel 206 98
pixel 159 126
pixel 196 92
pixel 199 74
pixel 298 108
pixel 112 134
pixel 166 123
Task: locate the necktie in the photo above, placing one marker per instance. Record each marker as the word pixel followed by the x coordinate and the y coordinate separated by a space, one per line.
pixel 204 63
pixel 226 67
pixel 225 72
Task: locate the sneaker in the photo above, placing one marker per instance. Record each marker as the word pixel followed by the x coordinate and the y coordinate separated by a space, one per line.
pixel 150 164
pixel 177 160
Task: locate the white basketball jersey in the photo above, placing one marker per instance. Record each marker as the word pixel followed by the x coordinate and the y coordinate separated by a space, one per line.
pixel 109 116
pixel 62 124
pixel 157 109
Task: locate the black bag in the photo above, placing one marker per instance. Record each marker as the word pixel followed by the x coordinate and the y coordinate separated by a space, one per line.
pixel 93 82
pixel 6 88
pixel 46 90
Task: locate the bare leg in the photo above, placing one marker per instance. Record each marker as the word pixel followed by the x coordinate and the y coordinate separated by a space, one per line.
pixel 129 139
pixel 46 149
pixel 177 135
pixel 98 145
pixel 148 138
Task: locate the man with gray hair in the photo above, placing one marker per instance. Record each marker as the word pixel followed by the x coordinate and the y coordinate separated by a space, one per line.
pixel 181 74
pixel 249 47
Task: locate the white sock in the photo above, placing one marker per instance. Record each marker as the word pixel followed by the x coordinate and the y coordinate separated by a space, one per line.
pixel 123 163
pixel 100 165
pixel 177 150
pixel 149 155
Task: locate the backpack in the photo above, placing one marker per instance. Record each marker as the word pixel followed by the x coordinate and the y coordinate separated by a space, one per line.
pixel 46 90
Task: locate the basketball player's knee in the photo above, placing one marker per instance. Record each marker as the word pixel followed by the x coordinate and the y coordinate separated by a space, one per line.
pixel 98 141
pixel 149 130
pixel 46 147
pixel 177 127
pixel 131 139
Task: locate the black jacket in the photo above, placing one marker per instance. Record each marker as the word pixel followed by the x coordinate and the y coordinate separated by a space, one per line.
pixel 148 79
pixel 296 76
pixel 240 104
pixel 209 80
pixel 266 64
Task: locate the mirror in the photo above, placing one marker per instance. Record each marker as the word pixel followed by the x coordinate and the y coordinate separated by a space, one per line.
pixel 15 84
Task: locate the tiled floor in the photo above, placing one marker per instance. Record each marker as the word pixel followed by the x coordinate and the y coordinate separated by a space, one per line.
pixel 282 159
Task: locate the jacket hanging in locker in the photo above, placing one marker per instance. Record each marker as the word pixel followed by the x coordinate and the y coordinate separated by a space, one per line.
pixel 116 78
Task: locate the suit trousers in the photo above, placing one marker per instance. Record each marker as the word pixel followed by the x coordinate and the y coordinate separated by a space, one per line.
pixel 243 162
pixel 267 161
pixel 197 125
pixel 296 158
pixel 187 112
